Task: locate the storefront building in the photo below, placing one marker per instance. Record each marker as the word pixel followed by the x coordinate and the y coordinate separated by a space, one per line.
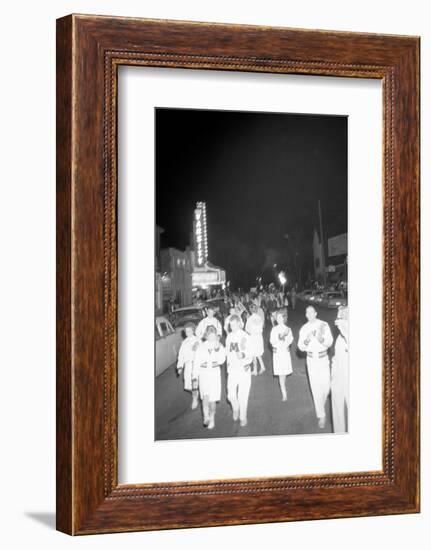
pixel 176 275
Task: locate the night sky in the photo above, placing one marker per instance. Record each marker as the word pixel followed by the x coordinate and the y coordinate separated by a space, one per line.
pixel 261 175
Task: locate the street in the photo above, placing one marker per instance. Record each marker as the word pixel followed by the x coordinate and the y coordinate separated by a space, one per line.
pixel 267 413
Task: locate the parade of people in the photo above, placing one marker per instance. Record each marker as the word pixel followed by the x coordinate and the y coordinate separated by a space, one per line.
pixel 267 349
pixel 220 359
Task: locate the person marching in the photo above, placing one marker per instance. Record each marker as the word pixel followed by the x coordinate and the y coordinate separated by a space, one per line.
pixel 186 357
pixel 254 327
pixel 340 373
pixel 281 300
pixel 272 308
pixel 210 355
pixel 238 370
pixel 225 307
pixel 315 338
pixel 281 338
pixel 232 311
pixel 209 320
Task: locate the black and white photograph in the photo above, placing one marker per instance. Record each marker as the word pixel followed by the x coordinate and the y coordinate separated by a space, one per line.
pixel 251 274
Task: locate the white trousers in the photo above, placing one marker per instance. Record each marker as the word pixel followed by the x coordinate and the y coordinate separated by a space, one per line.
pixel 320 382
pixel 339 395
pixel 238 390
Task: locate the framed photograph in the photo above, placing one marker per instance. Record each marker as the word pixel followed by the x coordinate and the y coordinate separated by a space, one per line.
pixel 237 274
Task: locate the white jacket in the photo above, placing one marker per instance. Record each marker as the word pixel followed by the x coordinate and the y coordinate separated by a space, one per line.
pixel 187 351
pixel 208 355
pixel 238 343
pixel 315 338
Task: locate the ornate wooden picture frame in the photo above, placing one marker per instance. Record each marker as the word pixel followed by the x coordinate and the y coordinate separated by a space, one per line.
pixel 89 51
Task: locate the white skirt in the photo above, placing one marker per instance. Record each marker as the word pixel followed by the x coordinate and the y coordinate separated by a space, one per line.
pixel 210 383
pixel 256 345
pixel 188 367
pixel 281 362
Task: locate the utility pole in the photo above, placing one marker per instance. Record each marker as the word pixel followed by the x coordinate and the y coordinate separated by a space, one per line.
pixel 322 244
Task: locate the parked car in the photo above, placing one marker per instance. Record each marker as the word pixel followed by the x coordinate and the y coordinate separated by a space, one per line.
pixel 318 297
pixel 305 295
pixel 334 299
pixel 182 315
pixel 168 342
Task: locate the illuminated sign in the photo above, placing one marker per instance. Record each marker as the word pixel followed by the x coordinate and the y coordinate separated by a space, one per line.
pixel 200 233
pixel 205 278
pixel 209 277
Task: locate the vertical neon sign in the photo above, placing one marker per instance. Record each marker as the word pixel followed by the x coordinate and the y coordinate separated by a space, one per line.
pixel 200 233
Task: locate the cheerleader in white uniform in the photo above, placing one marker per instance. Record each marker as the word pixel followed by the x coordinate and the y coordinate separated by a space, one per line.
pixel 281 338
pixel 238 370
pixel 315 338
pixel 186 357
pixel 254 327
pixel 210 355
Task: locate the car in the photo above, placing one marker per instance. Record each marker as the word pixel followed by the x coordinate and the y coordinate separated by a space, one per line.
pixel 318 297
pixel 305 295
pixel 334 299
pixel 182 315
pixel 168 342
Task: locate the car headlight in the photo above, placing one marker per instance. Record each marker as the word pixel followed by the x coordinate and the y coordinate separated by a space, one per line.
pixel 337 303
